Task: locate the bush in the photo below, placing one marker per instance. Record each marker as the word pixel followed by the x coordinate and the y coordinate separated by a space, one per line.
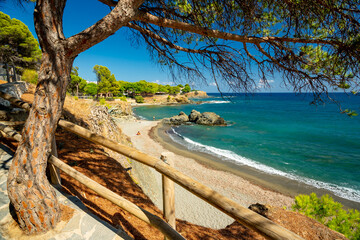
pixel 102 101
pixel 123 98
pixel 139 99
pixel 76 98
pixel 30 76
pixel 329 213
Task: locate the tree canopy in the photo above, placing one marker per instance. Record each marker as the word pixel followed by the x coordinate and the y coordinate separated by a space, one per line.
pixel 108 84
pixel 77 83
pixel 17 45
pixel 313 45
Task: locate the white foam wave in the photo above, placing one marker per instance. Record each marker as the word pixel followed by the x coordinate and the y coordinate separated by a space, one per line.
pixel 215 102
pixel 344 192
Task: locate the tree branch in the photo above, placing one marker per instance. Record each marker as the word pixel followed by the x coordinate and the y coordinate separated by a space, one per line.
pixel 168 23
pixel 110 3
pixel 124 12
pixel 163 40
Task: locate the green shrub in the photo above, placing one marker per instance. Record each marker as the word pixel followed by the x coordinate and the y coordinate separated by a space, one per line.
pixel 30 76
pixel 76 98
pixel 329 213
pixel 123 98
pixel 102 101
pixel 139 99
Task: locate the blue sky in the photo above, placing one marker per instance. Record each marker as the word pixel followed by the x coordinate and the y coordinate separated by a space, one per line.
pixel 127 62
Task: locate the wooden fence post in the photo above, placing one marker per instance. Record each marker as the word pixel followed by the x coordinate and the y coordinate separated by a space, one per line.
pixel 168 188
pixel 54 172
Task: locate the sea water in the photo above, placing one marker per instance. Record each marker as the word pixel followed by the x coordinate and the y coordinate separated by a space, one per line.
pixel 279 134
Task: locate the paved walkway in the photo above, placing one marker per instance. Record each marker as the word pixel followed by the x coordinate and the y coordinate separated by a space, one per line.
pixel 82 226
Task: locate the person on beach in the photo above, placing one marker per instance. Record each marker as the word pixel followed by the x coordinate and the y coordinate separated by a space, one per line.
pixel 138 133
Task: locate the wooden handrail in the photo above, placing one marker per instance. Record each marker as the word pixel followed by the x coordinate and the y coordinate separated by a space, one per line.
pixel 130 207
pixel 15 102
pixel 10 132
pixel 245 216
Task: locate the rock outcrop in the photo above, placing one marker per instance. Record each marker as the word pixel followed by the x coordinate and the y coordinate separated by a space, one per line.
pixel 182 99
pixel 196 94
pixel 194 115
pixel 206 118
pixel 100 122
pixel 210 118
pixel 179 119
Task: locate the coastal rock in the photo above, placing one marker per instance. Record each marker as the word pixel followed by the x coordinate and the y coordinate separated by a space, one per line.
pixel 182 99
pixel 121 110
pixel 166 121
pixel 15 89
pixel 100 122
pixel 210 118
pixel 196 94
pixel 206 118
pixel 179 119
pixel 194 115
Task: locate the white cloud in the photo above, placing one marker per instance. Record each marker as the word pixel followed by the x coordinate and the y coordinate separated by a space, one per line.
pixel 212 84
pixel 163 83
pixel 262 83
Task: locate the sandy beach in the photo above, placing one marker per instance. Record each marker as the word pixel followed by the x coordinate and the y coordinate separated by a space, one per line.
pixel 188 206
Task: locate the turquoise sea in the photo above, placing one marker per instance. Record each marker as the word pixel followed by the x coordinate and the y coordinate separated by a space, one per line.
pixel 279 134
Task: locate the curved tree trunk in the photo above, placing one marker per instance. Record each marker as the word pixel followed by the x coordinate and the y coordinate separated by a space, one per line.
pixel 29 191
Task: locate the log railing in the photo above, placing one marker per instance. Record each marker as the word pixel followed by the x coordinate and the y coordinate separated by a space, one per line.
pixel 155 221
pixel 243 215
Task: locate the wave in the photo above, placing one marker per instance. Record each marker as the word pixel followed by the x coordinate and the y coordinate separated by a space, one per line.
pixel 344 192
pixel 215 102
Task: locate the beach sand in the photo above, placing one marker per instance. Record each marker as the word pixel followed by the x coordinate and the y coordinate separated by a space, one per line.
pixel 188 206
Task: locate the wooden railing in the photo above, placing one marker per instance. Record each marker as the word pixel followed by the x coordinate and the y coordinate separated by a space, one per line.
pixel 241 214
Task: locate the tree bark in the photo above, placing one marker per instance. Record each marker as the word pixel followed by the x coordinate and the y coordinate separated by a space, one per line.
pixel 33 198
pixel 29 191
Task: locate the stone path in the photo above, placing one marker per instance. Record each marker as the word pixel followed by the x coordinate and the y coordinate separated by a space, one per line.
pixel 82 226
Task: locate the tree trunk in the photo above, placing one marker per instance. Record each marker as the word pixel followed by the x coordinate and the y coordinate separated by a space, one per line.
pixel 29 191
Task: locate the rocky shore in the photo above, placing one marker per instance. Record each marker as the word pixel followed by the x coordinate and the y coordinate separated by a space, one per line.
pixel 206 118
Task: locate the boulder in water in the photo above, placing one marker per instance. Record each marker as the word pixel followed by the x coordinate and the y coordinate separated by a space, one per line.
pixel 179 119
pixel 210 118
pixel 194 115
pixel 206 118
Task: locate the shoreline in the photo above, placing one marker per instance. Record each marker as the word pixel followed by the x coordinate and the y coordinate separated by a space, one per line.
pixel 274 183
pixel 188 206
